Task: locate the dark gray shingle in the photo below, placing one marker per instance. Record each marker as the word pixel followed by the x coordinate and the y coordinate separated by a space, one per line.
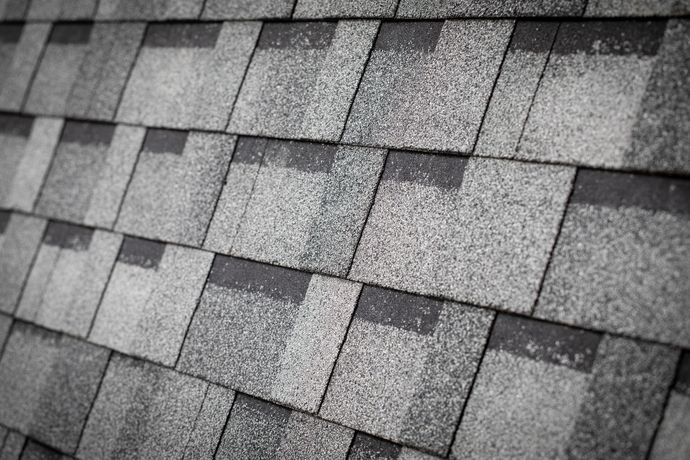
pixel 490 8
pixel 247 9
pixel 672 442
pixel 148 10
pixel 20 49
pixel 345 8
pixel 365 447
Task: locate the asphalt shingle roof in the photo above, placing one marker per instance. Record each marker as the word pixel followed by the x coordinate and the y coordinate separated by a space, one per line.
pixel 21 47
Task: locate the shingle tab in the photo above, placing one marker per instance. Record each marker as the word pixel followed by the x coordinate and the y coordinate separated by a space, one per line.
pixel 269 331
pixel 623 257
pixel 616 8
pixel 148 412
pixel 305 208
pixel 20 50
pixel 365 447
pixel 148 10
pixel 345 8
pixel 428 95
pixel 12 10
pixel 150 298
pixel 671 442
pixel 480 234
pixel 61 9
pixel 181 82
pixel 247 9
pixel 68 277
pixel 172 195
pixel 488 8
pixel 404 373
pixel 12 449
pixel 36 451
pixel 49 382
pixel 525 404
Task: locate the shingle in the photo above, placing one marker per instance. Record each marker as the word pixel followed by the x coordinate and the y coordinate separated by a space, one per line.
pixel 247 9
pixel 13 10
pixel 622 261
pixel 36 451
pixel 20 49
pixel 345 8
pixel 88 177
pixel 49 382
pixel 68 277
pixel 305 209
pixel 427 84
pixel 259 429
pixel 26 148
pixel 671 442
pixel 84 69
pixel 615 8
pixel 156 10
pixel 475 230
pixel 549 391
pixel 5 323
pixel 187 75
pixel 149 412
pixel 302 79
pixel 150 298
pixel 365 447
pixel 405 368
pixel 20 238
pixel 175 185
pixel 61 9
pixel 269 331
pixel 488 8
pixel 12 449
pixel 614 95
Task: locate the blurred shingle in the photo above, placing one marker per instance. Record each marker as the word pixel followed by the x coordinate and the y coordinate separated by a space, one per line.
pixel 365 447
pixel 427 84
pixel 477 230
pixel 20 238
pixel 622 261
pixel 488 8
pixel 302 79
pixel 548 391
pixel 614 8
pixel 84 69
pixel 5 323
pixel 247 9
pixel 149 10
pixel 259 429
pixel 305 209
pixel 12 10
pixel 672 442
pixel 20 49
pixel 345 8
pixel 269 331
pixel 88 177
pixel 150 298
pixel 187 75
pixel 62 9
pixel 68 277
pixel 12 448
pixel 36 451
pixel 49 382
pixel 405 369
pixel 175 185
pixel 147 412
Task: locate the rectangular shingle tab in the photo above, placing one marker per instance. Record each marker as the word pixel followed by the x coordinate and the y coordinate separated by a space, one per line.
pixel 61 9
pixel 615 8
pixel 148 10
pixel 404 373
pixel 425 90
pixel 247 9
pixel 21 46
pixel 345 8
pixel 488 8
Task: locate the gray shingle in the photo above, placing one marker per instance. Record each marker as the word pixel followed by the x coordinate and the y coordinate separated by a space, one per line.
pixel 175 185
pixel 305 209
pixel 672 442
pixel 247 9
pixel 150 299
pixel 490 8
pixel 68 277
pixel 345 8
pixel 427 84
pixel 475 230
pixel 20 238
pixel 365 447
pixel 548 391
pixel 157 10
pixel 406 367
pixel 5 323
pixel 149 412
pixel 302 79
pixel 259 429
pixel 61 9
pixel 26 148
pixel 614 8
pixel 20 49
pixel 49 382
pixel 12 449
pixel 13 10
pixel 88 177
pixel 622 262
pixel 614 94
pixel 36 451
pixel 269 331
pixel 187 75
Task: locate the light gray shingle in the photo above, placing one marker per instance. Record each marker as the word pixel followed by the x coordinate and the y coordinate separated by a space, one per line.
pixel 149 10
pixel 61 9
pixel 20 50
pixel 247 9
pixel 345 8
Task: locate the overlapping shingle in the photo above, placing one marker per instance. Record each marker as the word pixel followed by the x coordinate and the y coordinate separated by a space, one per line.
pixel 150 298
pixel 36 451
pixel 406 366
pixel 49 382
pixel 345 8
pixel 68 277
pixel 175 186
pixel 475 230
pixel 427 84
pixel 149 10
pixel 187 75
pixel 269 331
pixel 488 8
pixel 365 447
pixel 613 8
pixel 622 262
pixel 148 412
pixel 20 49
pixel 90 172
pixel 12 448
pixel 548 391
pixel 12 10
pixel 302 79
pixel 247 9
pixel 671 442
pixel 305 208
pixel 61 9
pixel 614 94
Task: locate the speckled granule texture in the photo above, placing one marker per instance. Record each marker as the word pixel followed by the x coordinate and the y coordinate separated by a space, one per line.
pixel 427 84
pixel 187 75
pixel 13 10
pixel 488 8
pixel 345 8
pixel 147 306
pixel 614 8
pixel 622 262
pixel 671 441
pixel 401 381
pixel 268 331
pixel 476 230
pixel 61 9
pixel 365 447
pixel 49 382
pixel 247 9
pixel 12 448
pixel 18 58
pixel 156 10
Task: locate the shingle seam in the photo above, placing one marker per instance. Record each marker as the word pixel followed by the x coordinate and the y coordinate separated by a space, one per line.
pixel 34 71
pixel 34 257
pixel 196 420
pixel 105 287
pixel 397 7
pixel 225 425
pixel 51 163
pixel 352 443
pixel 129 180
pixel 95 396
pixel 200 17
pixel 26 441
pixel 120 96
pixel 584 8
pixel 664 407
pixel 294 8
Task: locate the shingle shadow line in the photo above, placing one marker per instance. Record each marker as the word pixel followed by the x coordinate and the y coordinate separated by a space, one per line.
pixel 200 17
pixel 105 288
pixel 196 418
pixel 584 8
pixel 294 8
pixel 129 75
pixel 397 8
pixel 129 179
pixel 34 257
pixel 225 425
pixel 93 401
pixel 664 407
pixel 34 71
pixel 51 163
